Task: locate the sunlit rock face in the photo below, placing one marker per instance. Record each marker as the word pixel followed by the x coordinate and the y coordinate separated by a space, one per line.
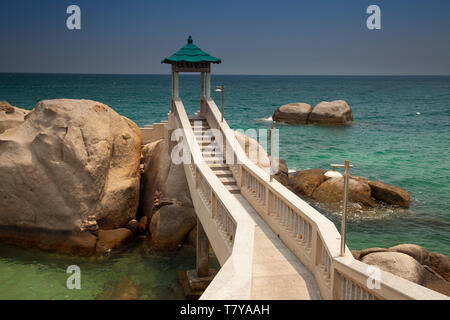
pixel 70 164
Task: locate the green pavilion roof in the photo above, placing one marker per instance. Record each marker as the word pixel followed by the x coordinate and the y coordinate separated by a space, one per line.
pixel 191 53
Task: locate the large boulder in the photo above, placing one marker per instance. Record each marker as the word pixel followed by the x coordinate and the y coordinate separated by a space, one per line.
pixel 170 225
pixel 293 113
pixel 163 176
pixel 332 191
pixel 389 194
pixel 70 164
pixel 10 117
pixel 334 112
pixel 407 267
pixel 306 181
pixel 397 263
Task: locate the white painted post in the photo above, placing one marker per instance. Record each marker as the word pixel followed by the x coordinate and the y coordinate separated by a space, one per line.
pixel 208 85
pixel 202 79
pixel 176 85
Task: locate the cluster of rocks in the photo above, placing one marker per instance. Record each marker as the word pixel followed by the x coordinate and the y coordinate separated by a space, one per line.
pixel 411 262
pixel 314 184
pixel 334 112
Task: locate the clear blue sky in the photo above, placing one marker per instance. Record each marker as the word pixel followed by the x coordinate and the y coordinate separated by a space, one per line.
pixel 252 37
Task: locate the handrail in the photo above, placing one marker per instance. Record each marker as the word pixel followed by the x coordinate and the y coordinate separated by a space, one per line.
pixel 312 237
pixel 222 216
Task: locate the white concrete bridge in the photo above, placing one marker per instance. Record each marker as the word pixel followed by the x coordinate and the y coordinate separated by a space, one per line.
pixel 270 243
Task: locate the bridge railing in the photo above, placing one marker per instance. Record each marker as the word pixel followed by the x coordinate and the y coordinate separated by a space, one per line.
pixel 229 229
pixel 312 237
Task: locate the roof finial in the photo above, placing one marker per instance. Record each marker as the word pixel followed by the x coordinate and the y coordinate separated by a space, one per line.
pixel 190 39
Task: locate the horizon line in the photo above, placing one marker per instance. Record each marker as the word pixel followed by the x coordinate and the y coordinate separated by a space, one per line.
pixel 236 74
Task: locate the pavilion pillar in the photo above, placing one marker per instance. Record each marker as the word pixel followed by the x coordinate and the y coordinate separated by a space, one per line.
pixel 208 85
pixel 176 85
pixel 202 79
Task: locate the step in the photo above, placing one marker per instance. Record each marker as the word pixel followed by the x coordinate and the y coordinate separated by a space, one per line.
pixel 218 166
pixel 214 160
pixel 233 189
pixel 228 180
pixel 223 173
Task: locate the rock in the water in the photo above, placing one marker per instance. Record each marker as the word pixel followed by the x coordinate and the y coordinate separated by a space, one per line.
pixel 390 194
pixel 162 175
pixel 332 190
pixel 282 175
pixel 334 112
pixel 111 239
pixel 10 117
pixel 143 224
pixel 71 243
pixel 293 113
pixel 133 225
pixel 72 162
pixel 441 264
pixel 170 225
pixel 125 290
pixel 306 181
pixel 399 264
pixel 419 253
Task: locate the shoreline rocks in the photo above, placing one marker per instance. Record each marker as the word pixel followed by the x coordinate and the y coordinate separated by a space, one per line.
pixel 336 112
pixel 313 184
pixel 411 262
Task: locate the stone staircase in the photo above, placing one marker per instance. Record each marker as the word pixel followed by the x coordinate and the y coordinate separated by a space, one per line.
pixel 211 153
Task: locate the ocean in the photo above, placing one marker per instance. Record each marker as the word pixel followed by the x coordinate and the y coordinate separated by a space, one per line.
pixel 401 136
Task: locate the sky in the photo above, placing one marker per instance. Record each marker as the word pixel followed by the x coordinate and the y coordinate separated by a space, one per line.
pixel 282 37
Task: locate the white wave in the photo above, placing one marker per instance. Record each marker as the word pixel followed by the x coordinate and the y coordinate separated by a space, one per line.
pixel 266 119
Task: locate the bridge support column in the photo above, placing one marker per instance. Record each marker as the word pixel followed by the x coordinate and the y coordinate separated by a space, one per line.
pixel 208 85
pixel 200 278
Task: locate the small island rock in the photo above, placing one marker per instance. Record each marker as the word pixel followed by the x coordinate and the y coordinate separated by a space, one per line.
pixel 292 113
pixel 334 112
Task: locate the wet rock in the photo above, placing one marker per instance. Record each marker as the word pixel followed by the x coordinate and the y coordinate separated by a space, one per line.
pixel 334 112
pixel 332 190
pixel 306 182
pixel 124 290
pixel 71 243
pixel 293 113
pixel 390 194
pixel 170 225
pixel 111 239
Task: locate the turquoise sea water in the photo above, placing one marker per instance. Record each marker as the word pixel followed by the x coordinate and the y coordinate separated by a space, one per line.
pixel 388 141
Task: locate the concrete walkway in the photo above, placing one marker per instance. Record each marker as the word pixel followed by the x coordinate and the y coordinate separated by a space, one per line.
pixel 277 272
